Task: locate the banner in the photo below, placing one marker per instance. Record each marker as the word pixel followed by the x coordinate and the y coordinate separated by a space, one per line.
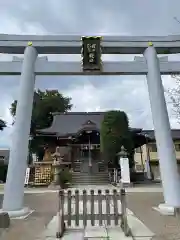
pixel 26 180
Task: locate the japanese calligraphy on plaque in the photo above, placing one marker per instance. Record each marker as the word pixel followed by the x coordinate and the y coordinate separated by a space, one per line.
pixel 91 53
pixel 42 175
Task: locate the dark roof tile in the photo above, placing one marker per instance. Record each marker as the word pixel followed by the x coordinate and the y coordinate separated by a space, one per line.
pixel 71 122
pixel 175 133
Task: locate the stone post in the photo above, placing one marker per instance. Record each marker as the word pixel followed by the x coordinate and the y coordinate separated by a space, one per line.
pixel 124 164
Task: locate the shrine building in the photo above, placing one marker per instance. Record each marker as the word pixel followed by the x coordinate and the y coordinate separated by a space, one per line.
pixel 78 136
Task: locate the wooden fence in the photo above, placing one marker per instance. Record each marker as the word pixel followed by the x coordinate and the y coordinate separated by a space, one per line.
pixel 82 209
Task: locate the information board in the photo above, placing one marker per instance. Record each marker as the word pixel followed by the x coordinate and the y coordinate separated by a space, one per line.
pixel 42 175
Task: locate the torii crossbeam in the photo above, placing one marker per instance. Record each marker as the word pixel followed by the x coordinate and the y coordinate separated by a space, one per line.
pixel 71 44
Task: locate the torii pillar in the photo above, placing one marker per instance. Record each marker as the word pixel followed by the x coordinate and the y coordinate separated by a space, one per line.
pixel 165 146
pixel 13 202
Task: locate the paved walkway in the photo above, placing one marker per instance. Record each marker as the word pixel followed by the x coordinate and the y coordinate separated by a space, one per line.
pixel 143 188
pixel 111 232
pixel 139 230
pixel 97 232
pixel 139 188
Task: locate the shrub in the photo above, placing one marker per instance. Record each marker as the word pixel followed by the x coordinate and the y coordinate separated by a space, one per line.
pixel 65 176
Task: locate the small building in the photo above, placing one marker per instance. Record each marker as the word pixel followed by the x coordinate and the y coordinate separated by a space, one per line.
pixel 149 150
pixel 4 159
pixel 4 156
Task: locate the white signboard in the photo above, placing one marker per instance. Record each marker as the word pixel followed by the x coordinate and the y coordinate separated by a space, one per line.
pixel 147 169
pixel 125 174
pixel 26 180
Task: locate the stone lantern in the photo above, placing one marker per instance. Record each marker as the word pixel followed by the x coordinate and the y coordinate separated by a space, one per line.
pixel 123 153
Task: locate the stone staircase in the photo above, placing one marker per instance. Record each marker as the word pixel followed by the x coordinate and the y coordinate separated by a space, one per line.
pixel 79 178
pixel 95 178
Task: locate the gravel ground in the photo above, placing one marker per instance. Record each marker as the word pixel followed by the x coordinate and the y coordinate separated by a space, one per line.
pixel 45 206
pixel 165 227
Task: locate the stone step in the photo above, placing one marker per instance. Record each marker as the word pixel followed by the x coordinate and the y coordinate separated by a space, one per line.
pixel 81 183
pixel 85 184
pixel 90 176
pixel 82 178
pixel 75 183
pixel 90 180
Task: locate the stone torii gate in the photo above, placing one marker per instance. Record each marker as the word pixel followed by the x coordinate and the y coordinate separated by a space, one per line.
pixel 31 66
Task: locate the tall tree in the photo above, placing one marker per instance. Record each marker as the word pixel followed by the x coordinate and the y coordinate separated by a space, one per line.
pixel 115 133
pixel 2 124
pixel 45 103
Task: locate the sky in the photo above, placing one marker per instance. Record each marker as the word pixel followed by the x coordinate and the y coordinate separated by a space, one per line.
pixel 83 17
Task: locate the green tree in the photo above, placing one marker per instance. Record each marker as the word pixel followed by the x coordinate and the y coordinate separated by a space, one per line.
pixel 45 103
pixel 2 124
pixel 115 133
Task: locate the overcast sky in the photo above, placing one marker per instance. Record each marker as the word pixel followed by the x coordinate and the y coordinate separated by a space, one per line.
pixel 102 17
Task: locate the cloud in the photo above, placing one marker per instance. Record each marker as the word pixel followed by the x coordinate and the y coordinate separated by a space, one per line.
pixel 117 17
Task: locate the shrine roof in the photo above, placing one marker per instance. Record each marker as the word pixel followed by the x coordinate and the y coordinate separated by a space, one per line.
pixel 174 132
pixel 67 124
pixel 71 122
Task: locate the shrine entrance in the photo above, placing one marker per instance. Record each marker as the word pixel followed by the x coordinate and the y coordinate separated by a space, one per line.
pixel 88 140
pixel 92 63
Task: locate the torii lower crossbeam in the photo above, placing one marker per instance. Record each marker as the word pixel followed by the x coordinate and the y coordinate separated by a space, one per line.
pixel 74 68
